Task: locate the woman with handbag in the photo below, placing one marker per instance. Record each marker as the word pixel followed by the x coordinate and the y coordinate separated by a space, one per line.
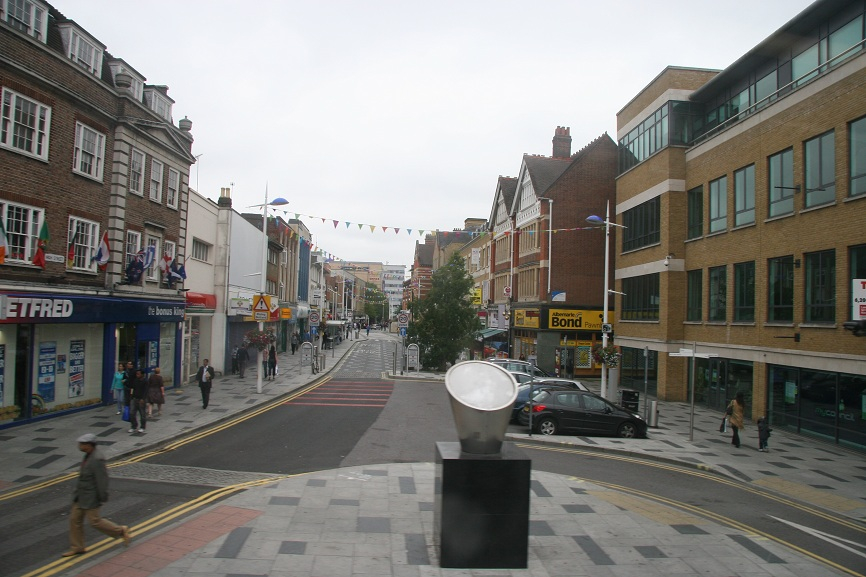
pixel 736 409
pixel 117 387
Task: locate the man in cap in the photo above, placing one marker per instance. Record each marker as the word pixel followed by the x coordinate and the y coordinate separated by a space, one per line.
pixel 91 491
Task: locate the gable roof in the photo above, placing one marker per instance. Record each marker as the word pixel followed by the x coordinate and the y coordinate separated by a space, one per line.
pixel 580 155
pixel 544 171
pixel 506 186
pixel 424 254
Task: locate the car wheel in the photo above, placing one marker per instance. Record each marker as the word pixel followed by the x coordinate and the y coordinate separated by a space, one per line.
pixel 546 426
pixel 627 431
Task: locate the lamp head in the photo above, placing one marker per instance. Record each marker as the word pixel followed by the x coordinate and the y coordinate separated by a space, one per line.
pixel 595 219
pixel 279 201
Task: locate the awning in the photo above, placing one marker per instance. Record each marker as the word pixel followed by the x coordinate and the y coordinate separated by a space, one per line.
pixel 488 333
pixel 200 300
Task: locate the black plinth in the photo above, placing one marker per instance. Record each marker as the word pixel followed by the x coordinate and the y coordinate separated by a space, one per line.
pixel 481 514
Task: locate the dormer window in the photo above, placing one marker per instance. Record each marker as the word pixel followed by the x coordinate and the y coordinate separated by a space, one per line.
pixel 136 80
pixel 26 16
pixel 158 101
pixel 82 48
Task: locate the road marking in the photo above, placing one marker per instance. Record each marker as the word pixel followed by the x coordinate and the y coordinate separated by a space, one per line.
pixel 838 541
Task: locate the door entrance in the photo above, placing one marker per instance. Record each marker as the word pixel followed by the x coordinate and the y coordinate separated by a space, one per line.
pixel 565 363
pixel 717 391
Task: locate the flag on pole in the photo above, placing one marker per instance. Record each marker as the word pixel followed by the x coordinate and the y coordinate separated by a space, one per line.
pixel 103 253
pixel 39 256
pixel 70 251
pixel 149 256
pixel 164 263
pixel 4 244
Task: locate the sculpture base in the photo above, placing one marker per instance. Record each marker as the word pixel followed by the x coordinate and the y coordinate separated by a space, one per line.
pixel 481 513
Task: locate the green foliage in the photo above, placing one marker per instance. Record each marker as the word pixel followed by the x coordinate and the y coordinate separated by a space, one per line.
pixel 375 304
pixel 445 322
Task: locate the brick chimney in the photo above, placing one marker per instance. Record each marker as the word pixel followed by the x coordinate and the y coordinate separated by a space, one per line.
pixel 562 142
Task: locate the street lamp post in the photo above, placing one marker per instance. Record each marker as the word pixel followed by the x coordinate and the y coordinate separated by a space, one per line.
pixel 593 219
pixel 279 201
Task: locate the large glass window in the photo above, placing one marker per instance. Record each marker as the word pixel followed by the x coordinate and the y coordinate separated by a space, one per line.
pixel 744 292
pixel 821 287
pixel 136 172
pixel 719 204
pixel 781 183
pixel 744 196
pixel 641 299
pixel 846 37
pixel 696 212
pixel 24 125
pixel 27 17
pixel 642 225
pixel 857 132
pixel 22 224
pixel 695 292
pixel 780 289
pixel 765 88
pixel 804 65
pixel 820 160
pixel 718 294
pixel 645 139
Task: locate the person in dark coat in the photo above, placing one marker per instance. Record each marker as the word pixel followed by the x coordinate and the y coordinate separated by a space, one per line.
pixel 243 359
pixel 137 395
pixel 272 362
pixel 91 491
pixel 204 378
pixel 763 435
pixel 155 393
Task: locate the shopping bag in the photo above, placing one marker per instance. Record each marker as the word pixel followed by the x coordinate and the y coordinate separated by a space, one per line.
pixel 125 415
pixel 276 370
pixel 723 428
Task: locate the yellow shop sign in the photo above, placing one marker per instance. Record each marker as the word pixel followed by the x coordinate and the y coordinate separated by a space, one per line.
pixel 526 318
pixel 574 320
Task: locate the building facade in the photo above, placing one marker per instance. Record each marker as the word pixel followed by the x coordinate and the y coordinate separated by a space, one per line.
pixel 752 178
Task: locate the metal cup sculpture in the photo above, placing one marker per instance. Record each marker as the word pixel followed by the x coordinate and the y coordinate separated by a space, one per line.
pixel 482 396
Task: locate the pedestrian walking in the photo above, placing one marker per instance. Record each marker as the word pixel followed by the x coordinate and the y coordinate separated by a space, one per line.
pixel 155 393
pixel 264 364
pixel 117 387
pixel 243 359
pixel 735 419
pixel 91 491
pixel 136 391
pixel 272 362
pixel 368 329
pixel 204 377
pixel 764 431
pixel 235 360
pixel 294 342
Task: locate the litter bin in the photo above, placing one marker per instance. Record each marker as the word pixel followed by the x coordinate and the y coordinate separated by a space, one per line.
pixel 629 399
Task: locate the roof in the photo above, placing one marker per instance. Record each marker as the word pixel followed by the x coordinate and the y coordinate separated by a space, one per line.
pixel 543 170
pixel 424 254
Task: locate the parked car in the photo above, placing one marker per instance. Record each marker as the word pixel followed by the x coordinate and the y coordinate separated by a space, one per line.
pixel 536 385
pixel 513 366
pixel 557 411
pixel 521 377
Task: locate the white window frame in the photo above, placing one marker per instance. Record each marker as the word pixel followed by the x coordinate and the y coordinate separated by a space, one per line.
pixel 169 249
pixel 136 171
pixel 83 238
pixel 29 17
pixel 23 233
pixel 152 273
pixel 156 168
pixel 10 127
pixel 133 245
pixel 160 104
pixel 173 188
pixel 82 152
pixel 200 250
pixel 85 53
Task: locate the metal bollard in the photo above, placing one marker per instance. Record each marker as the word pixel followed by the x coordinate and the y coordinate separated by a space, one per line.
pixel 654 414
pixel 322 362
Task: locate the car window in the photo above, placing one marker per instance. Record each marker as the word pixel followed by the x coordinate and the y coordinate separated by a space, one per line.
pixel 591 403
pixel 541 396
pixel 570 400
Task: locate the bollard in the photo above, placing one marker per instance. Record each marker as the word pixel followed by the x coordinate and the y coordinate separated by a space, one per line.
pixel 654 414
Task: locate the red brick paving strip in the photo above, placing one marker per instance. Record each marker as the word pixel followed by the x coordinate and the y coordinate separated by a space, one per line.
pixel 147 557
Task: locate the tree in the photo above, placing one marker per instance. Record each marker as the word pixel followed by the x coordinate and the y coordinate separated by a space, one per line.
pixel 375 303
pixel 445 322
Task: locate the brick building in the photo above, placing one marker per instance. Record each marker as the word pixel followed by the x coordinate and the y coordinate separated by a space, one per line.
pixel 753 178
pixel 89 152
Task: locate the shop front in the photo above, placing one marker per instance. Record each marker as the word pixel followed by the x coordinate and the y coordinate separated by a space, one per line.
pixel 197 331
pixel 58 352
pixel 558 339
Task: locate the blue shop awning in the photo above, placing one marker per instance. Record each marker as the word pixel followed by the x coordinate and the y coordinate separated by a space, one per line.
pixel 489 333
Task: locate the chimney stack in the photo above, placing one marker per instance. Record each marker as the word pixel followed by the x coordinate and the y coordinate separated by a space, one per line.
pixel 562 142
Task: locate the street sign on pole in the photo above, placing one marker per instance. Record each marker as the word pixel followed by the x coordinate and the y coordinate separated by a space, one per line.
pixel 261 308
pixel 313 318
pixel 402 320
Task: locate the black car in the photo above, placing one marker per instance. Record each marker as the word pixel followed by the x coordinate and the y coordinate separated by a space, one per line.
pixel 523 389
pixel 556 411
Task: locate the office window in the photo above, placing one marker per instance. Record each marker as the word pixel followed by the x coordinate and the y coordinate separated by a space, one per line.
pixel 844 38
pixel 28 17
pixel 24 125
pixel 781 183
pixel 820 287
pixel 744 196
pixel 780 291
pixel 804 65
pixel 89 155
pixel 641 299
pixel 820 161
pixel 744 292
pixel 857 132
pixel 136 172
pixel 719 204
pixel 695 294
pixel 200 250
pixel 81 244
pixel 173 187
pixel 22 224
pixel 133 245
pixel 718 294
pixel 156 181
pixel 696 212
pixel 642 225
pixel 765 89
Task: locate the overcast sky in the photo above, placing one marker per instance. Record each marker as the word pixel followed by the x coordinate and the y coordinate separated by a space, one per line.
pixel 402 114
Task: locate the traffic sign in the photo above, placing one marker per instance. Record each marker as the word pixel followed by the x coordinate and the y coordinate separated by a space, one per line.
pixel 507 291
pixel 261 307
pixel 402 320
pixel 314 318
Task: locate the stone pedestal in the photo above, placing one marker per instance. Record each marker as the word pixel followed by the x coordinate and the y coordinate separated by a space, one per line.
pixel 481 514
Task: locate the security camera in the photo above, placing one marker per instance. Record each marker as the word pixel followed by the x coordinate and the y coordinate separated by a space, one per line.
pixel 668 260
